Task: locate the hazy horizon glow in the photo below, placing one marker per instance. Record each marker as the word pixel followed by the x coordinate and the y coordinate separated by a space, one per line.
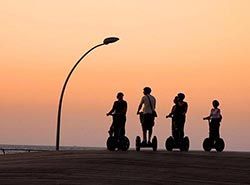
pixel 201 48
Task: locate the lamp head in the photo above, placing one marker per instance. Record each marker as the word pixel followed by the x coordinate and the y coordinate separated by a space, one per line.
pixel 110 40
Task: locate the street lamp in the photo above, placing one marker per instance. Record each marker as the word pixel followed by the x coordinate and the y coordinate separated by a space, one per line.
pixel 106 41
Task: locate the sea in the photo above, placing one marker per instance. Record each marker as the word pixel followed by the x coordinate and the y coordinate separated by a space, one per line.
pixel 11 149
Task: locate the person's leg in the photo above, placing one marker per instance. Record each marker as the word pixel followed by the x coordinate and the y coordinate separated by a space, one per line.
pixel 144 134
pixel 151 125
pixel 183 120
pixel 179 129
pixel 216 130
pixel 210 130
pixel 150 135
pixel 145 128
pixel 123 121
pixel 116 127
pixel 176 129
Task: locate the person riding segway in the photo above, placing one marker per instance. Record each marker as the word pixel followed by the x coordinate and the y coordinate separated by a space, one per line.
pixel 178 115
pixel 117 138
pixel 214 119
pixel 147 119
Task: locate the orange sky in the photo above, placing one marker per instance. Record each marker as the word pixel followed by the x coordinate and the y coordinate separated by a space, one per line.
pixel 201 48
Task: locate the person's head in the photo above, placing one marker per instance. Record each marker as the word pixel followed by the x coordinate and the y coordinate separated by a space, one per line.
pixel 216 103
pixel 176 99
pixel 120 96
pixel 147 90
pixel 181 96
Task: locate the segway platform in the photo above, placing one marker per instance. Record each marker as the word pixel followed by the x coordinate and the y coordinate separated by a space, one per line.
pixel 210 143
pixel 213 142
pixel 140 145
pixel 181 144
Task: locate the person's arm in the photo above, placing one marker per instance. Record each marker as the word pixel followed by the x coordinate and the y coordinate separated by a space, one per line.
pixel 124 111
pixel 154 103
pixel 171 113
pixel 208 117
pixel 219 112
pixel 185 108
pixel 140 106
pixel 112 110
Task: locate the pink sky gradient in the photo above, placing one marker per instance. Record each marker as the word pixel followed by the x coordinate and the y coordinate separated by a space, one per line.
pixel 201 48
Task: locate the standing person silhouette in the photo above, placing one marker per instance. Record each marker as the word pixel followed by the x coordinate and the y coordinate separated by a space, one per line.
pixel 214 118
pixel 180 113
pixel 118 112
pixel 148 115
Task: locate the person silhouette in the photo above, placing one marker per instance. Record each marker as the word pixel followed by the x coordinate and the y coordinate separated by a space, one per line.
pixel 180 113
pixel 172 115
pixel 214 118
pixel 148 114
pixel 118 112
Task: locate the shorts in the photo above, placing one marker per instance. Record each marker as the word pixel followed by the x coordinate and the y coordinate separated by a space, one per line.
pixel 148 121
pixel 214 128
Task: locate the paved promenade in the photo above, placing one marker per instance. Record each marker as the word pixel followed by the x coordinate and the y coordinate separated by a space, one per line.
pixel 124 168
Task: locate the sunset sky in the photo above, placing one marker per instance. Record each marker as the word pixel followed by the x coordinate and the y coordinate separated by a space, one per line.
pixel 201 48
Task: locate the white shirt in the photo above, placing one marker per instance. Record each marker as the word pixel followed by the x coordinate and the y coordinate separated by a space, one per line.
pixel 146 104
pixel 215 114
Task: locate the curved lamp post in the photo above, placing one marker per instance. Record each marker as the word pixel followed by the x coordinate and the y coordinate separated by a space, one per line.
pixel 106 41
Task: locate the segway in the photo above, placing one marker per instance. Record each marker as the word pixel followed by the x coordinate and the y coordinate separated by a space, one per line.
pixel 177 142
pixel 139 144
pixel 117 141
pixel 213 143
pixel 120 144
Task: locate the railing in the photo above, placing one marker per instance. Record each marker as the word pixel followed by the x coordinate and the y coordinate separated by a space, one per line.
pixel 21 149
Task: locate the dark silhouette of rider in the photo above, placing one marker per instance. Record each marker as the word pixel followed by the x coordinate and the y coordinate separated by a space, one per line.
pixel 214 118
pixel 180 113
pixel 172 115
pixel 148 115
pixel 118 112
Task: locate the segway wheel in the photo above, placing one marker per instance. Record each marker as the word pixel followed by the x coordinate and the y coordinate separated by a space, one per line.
pixel 111 143
pixel 137 143
pixel 185 144
pixel 219 145
pixel 154 143
pixel 124 143
pixel 207 145
pixel 169 144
